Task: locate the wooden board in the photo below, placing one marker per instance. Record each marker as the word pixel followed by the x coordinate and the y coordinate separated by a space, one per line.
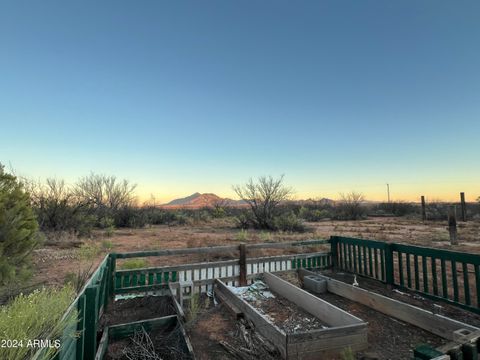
pixel 351 331
pixel 319 308
pixel 266 328
pixel 437 324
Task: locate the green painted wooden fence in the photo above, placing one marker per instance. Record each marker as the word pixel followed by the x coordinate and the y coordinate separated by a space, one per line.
pixel 445 275
pixel 79 340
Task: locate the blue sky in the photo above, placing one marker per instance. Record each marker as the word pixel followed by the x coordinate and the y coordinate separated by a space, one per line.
pixel 187 96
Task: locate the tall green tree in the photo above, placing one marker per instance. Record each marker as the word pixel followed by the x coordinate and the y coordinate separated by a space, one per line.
pixel 18 228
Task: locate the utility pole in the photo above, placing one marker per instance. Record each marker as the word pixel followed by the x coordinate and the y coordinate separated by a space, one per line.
pixel 388 192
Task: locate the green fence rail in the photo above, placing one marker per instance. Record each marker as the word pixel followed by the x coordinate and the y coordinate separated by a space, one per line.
pixel 79 340
pixel 445 275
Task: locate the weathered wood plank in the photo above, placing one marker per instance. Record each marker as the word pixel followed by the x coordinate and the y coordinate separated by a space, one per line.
pixel 102 346
pixel 434 323
pixel 319 308
pixel 262 324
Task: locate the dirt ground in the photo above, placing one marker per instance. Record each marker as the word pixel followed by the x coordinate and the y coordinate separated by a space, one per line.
pixel 216 325
pixel 136 309
pixel 286 315
pixel 167 344
pixel 53 263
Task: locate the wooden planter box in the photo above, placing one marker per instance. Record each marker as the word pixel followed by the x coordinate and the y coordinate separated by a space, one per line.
pixel 345 329
pixel 122 331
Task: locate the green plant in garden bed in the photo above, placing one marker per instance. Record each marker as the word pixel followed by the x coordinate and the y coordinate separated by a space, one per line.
pixel 37 316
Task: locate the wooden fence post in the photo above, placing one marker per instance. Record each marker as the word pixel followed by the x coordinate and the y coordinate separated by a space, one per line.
pixel 452 224
pixel 424 212
pixel 80 326
pixel 389 269
pixel 243 265
pixel 334 251
pixel 90 335
pixel 111 277
pixel 464 206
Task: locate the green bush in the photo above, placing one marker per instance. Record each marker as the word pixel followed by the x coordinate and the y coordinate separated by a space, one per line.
pixel 243 221
pixel 18 229
pixel 131 217
pixel 89 251
pixel 242 235
pixel 313 214
pixel 79 279
pixel 35 316
pixel 108 225
pixel 133 264
pixel 288 222
pixel 107 245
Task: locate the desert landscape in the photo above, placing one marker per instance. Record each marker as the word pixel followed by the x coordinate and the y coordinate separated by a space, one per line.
pixel 222 180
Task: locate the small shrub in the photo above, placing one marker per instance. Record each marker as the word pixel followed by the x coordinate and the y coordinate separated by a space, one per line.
pixel 36 316
pixel 79 279
pixel 347 354
pixel 131 217
pixel 18 229
pixel 313 214
pixel 88 251
pixel 107 245
pixel 289 222
pixel 242 235
pixel 265 236
pixel 243 221
pixel 181 219
pixel 351 207
pixel 219 212
pixel 133 264
pixel 194 307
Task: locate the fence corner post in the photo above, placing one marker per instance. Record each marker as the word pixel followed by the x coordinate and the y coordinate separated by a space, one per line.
pixel 243 265
pixel 452 225
pixel 111 276
pixel 389 275
pixel 90 340
pixel 334 251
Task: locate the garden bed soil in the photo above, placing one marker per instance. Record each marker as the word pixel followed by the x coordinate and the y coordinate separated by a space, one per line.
pixel 215 326
pixel 286 315
pixel 167 344
pixel 409 297
pixel 388 338
pixel 136 309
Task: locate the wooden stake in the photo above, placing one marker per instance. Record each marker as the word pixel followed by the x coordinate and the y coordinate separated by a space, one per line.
pixel 243 265
pixel 424 212
pixel 464 206
pixel 452 224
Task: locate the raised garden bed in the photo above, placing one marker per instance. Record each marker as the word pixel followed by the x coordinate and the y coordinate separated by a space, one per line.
pixel 161 338
pixel 216 331
pixel 408 325
pixel 407 296
pixel 138 308
pixel 335 329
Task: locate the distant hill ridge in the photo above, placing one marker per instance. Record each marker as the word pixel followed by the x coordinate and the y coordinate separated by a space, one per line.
pixel 198 200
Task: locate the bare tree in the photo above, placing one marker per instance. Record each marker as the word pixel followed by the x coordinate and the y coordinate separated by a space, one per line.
pixel 263 197
pixel 105 191
pixel 351 205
